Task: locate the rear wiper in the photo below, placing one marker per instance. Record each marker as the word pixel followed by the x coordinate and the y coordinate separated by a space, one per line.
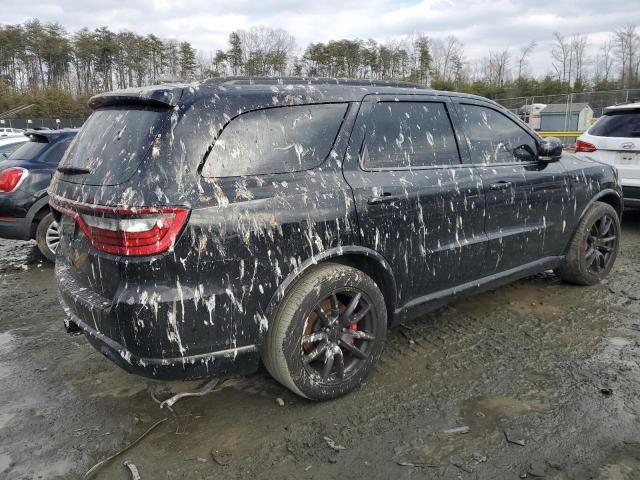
pixel 73 170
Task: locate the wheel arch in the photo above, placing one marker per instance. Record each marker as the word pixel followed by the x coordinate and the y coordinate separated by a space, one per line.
pixel 364 259
pixel 36 213
pixel 609 196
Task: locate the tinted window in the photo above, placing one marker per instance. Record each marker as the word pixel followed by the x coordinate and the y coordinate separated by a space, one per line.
pixel 7 150
pixel 494 138
pixel 406 134
pixel 55 152
pixel 31 149
pixel 112 143
pixel 622 124
pixel 275 140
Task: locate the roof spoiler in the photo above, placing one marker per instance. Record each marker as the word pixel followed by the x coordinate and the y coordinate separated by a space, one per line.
pixel 159 96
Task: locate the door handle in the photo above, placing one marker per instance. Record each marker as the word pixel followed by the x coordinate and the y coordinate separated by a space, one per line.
pixel 385 197
pixel 500 185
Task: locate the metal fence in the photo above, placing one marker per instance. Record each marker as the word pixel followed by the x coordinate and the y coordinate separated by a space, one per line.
pixel 566 115
pixel 53 123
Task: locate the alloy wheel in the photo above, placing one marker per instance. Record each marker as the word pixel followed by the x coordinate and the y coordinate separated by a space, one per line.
pixel 602 243
pixel 339 335
pixel 52 237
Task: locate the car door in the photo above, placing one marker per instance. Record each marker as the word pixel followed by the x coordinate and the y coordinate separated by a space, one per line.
pixel 416 205
pixel 526 199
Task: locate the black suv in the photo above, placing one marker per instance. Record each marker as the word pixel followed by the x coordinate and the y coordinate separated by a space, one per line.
pixel 207 226
pixel 24 179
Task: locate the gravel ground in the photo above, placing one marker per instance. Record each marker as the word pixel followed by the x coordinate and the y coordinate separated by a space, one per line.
pixel 535 379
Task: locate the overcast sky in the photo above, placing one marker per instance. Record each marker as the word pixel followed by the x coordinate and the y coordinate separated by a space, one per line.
pixel 482 25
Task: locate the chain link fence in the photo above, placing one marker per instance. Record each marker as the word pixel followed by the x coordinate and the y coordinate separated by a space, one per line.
pixel 566 115
pixel 53 123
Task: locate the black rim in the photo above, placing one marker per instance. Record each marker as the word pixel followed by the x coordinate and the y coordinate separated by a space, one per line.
pixel 339 335
pixel 602 242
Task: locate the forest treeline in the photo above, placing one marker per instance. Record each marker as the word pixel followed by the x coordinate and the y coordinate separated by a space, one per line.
pixel 57 71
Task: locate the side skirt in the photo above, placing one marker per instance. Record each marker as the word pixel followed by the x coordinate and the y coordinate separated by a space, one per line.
pixel 427 303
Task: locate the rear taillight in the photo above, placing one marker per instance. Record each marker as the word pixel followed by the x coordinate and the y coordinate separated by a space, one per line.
pixel 11 178
pixel 127 231
pixel 582 146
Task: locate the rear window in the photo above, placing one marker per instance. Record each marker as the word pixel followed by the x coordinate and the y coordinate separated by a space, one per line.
pixel 275 140
pixel 6 150
pixel 619 124
pixel 56 151
pixel 112 143
pixel 31 149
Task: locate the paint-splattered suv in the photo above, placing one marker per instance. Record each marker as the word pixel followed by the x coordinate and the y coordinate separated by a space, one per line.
pixel 208 227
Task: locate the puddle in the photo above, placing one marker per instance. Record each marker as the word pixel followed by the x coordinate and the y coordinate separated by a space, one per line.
pixel 619 341
pixel 489 410
pixel 5 462
pixel 6 342
pixel 5 418
pixel 625 468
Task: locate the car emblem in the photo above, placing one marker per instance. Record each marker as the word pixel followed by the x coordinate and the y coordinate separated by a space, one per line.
pixel 628 145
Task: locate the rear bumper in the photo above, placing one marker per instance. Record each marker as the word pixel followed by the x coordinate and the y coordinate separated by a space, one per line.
pixel 241 360
pixel 138 334
pixel 15 228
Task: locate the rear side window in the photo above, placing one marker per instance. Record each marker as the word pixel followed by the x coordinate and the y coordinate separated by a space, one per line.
pixel 275 140
pixel 409 134
pixel 619 124
pixel 112 143
pixel 495 138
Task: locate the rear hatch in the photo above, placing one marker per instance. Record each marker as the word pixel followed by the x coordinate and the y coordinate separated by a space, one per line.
pixel 100 196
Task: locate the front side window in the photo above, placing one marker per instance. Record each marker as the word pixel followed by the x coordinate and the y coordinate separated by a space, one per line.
pixel 495 138
pixel 409 134
pixel 275 140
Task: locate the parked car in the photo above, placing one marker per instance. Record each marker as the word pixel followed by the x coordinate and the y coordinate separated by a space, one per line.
pixel 615 139
pixel 206 227
pixel 9 132
pixel 24 178
pixel 9 144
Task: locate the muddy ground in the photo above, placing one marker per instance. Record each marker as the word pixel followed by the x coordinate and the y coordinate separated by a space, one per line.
pixel 544 375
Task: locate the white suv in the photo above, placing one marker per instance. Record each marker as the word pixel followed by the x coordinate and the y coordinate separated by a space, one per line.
pixel 10 132
pixel 615 139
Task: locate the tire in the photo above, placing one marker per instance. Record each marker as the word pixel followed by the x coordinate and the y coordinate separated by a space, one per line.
pixel 593 248
pixel 47 236
pixel 305 367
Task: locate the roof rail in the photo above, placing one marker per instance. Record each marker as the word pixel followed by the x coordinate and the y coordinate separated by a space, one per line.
pixel 244 80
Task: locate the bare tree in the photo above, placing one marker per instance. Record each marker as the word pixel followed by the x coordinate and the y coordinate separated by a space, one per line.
pixel 497 67
pixel 446 54
pixel 561 53
pixel 579 44
pixel 525 52
pixel 626 41
pixel 604 62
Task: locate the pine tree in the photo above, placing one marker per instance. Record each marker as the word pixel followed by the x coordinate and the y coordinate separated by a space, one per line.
pixel 187 61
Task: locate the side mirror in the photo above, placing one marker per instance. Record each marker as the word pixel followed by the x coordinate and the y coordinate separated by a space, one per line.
pixel 550 149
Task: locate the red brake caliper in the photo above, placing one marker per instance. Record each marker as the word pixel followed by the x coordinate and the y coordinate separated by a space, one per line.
pixel 353 328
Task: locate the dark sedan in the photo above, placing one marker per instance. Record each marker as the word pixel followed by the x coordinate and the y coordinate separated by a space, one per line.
pixel 24 179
